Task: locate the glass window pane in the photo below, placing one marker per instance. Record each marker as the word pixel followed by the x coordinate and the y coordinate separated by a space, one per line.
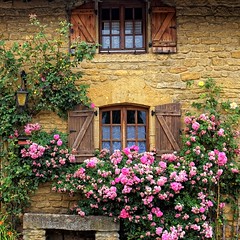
pixel 142 146
pixel 138 41
pixel 138 13
pixel 138 27
pixel 105 133
pixel 117 146
pixel 130 144
pixel 105 14
pixel 130 117
pixel 129 41
pixel 106 145
pixel 131 133
pixel 116 132
pixel 141 132
pixel 115 28
pixel 105 42
pixel 106 28
pixel 115 14
pixel 128 13
pixel 116 117
pixel 141 115
pixel 115 42
pixel 106 117
pixel 128 28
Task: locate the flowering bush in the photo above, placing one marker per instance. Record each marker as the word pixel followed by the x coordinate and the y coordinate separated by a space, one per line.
pixel 46 153
pixel 44 157
pixel 175 197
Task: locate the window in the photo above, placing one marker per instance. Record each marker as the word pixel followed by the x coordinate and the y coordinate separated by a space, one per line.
pixel 122 127
pixel 122 28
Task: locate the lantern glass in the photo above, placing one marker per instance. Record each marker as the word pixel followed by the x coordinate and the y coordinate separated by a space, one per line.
pixel 21 98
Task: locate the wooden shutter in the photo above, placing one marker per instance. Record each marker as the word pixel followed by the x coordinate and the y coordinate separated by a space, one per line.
pixel 168 125
pixel 81 138
pixel 83 22
pixel 164 34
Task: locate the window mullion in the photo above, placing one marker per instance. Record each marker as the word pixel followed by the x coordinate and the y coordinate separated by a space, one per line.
pixel 124 127
pixel 122 27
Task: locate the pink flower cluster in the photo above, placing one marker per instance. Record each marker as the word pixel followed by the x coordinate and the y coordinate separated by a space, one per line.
pixel 30 127
pixel 49 160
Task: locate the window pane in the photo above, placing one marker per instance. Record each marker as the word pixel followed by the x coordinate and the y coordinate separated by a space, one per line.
pixel 131 133
pixel 105 14
pixel 115 28
pixel 138 13
pixel 138 27
pixel 129 144
pixel 128 13
pixel 115 42
pixel 105 42
pixel 141 117
pixel 129 42
pixel 142 146
pixel 139 41
pixel 115 14
pixel 116 133
pixel 106 117
pixel 105 28
pixel 106 133
pixel 141 132
pixel 128 28
pixel 116 117
pixel 130 117
pixel 117 146
pixel 106 145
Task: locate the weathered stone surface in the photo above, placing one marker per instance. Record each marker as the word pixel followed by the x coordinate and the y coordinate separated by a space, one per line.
pixel 106 236
pixel 69 222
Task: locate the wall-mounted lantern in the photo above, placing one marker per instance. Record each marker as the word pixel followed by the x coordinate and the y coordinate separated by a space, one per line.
pixel 22 93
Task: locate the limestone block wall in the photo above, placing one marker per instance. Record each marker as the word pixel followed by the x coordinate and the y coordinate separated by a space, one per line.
pixel 208 46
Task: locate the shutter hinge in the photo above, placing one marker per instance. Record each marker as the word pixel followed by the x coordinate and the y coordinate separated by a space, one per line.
pixel 153 113
pixel 96 113
pixel 72 131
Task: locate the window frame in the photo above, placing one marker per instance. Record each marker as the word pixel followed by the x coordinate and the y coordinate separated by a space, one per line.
pixel 122 34
pixel 123 124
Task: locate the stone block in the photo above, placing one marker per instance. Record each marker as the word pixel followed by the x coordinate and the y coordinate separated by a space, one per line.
pixel 190 76
pixel 106 236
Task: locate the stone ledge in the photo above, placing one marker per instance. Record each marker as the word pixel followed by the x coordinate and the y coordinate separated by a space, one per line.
pixel 69 222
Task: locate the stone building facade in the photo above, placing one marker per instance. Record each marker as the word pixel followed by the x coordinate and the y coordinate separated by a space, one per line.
pixel 207 45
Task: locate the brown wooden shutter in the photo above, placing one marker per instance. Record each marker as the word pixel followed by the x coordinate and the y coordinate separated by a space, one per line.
pixel 168 126
pixel 164 34
pixel 81 138
pixel 83 20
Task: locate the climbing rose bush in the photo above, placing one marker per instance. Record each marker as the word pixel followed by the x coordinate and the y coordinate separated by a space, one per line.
pixel 174 197
pixel 46 153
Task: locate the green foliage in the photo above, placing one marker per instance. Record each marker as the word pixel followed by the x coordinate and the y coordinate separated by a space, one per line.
pixel 45 157
pixel 51 78
pixel 6 230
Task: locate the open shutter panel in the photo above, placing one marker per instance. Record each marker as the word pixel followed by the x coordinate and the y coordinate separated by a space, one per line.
pixel 83 22
pixel 168 125
pixel 164 30
pixel 81 139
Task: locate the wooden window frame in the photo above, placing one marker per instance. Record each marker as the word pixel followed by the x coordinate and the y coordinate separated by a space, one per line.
pixel 122 7
pixel 123 124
